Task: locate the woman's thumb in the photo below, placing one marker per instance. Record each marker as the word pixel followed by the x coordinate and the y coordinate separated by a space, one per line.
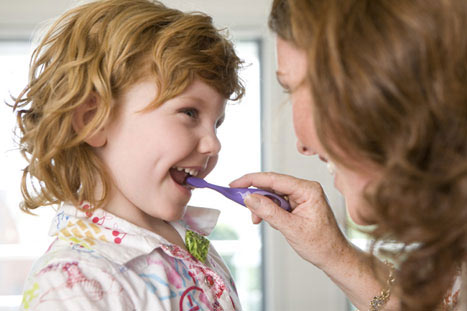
pixel 267 210
pixel 252 201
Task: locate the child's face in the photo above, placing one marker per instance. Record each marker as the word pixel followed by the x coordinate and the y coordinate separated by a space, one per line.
pixel 143 148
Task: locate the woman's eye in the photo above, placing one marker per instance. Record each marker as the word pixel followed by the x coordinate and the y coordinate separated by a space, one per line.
pixel 219 123
pixel 191 112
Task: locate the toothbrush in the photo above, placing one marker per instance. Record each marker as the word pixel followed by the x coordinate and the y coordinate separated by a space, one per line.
pixel 238 194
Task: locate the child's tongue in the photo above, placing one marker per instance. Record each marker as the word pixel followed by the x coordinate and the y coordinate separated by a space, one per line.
pixel 178 176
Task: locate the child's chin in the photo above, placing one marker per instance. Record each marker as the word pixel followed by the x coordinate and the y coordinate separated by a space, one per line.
pixel 176 215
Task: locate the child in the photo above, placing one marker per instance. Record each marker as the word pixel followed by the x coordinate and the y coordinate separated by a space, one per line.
pixel 123 103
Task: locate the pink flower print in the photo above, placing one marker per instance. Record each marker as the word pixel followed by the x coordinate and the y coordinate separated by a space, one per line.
pixel 213 280
pixel 217 307
pixel 178 252
pixel 75 276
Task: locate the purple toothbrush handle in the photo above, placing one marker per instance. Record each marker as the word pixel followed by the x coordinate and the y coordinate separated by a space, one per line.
pixel 239 194
pixel 279 200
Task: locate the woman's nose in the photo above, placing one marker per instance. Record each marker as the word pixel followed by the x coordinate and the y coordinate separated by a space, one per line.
pixel 304 149
pixel 209 144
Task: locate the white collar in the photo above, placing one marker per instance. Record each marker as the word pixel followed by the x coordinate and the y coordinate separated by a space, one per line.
pixel 117 239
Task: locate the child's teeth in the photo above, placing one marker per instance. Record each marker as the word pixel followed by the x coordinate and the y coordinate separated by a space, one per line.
pixel 190 171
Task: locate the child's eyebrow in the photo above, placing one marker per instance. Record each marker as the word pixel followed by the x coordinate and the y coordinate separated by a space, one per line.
pixel 199 100
pixel 195 98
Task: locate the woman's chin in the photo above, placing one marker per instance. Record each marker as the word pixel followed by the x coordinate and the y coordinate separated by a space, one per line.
pixel 359 219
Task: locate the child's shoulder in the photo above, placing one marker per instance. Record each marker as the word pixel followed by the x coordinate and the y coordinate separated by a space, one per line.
pixel 63 255
pixel 67 277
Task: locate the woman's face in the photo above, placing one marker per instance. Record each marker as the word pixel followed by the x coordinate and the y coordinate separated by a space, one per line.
pixel 292 67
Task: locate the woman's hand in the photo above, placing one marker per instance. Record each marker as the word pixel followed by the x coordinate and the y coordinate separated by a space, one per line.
pixel 311 228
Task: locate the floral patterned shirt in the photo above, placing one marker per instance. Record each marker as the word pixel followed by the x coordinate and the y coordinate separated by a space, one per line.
pixel 101 262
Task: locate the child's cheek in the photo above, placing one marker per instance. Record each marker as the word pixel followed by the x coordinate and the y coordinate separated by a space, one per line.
pixel 212 163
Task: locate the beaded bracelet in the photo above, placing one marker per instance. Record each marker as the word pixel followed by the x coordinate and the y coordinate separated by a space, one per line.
pixel 379 301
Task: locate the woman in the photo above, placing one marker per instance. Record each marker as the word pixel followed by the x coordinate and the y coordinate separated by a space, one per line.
pixel 378 90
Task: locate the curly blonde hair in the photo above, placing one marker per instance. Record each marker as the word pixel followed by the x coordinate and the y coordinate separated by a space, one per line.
pixel 98 50
pixel 388 82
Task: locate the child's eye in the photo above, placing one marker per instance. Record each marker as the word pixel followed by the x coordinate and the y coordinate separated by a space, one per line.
pixel 191 112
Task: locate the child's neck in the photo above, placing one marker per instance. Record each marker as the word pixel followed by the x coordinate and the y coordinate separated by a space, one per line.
pixel 164 229
pixel 156 225
pixel 168 232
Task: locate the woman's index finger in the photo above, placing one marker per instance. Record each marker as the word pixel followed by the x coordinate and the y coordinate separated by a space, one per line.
pixel 279 183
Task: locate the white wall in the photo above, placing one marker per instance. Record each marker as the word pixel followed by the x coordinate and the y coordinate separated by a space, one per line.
pixel 291 283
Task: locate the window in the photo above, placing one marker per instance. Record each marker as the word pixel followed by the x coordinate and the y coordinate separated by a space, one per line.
pixel 23 238
pixel 237 240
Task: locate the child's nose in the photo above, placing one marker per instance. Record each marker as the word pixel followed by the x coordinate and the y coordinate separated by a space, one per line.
pixel 209 144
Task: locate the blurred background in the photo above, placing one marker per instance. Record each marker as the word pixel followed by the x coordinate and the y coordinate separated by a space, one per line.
pixel 256 136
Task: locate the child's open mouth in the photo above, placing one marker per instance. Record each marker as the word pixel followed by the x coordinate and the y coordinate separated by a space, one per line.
pixel 180 174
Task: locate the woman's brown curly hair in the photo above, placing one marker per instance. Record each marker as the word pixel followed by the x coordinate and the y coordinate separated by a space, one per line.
pixel 388 82
pixel 98 50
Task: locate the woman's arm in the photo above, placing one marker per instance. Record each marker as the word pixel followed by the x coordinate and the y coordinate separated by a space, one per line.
pixel 311 229
pixel 354 274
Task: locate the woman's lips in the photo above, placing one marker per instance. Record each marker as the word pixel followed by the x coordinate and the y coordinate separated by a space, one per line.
pixel 323 159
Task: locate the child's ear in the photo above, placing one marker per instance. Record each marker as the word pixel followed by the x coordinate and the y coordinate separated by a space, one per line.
pixel 83 115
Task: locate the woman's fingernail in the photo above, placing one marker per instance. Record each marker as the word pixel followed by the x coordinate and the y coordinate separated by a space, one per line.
pixel 251 201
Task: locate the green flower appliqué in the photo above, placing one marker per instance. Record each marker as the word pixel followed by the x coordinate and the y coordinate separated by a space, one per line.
pixel 197 245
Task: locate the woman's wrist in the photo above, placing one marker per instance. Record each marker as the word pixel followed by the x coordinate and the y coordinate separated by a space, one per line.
pixel 378 302
pixel 341 253
pixel 353 273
